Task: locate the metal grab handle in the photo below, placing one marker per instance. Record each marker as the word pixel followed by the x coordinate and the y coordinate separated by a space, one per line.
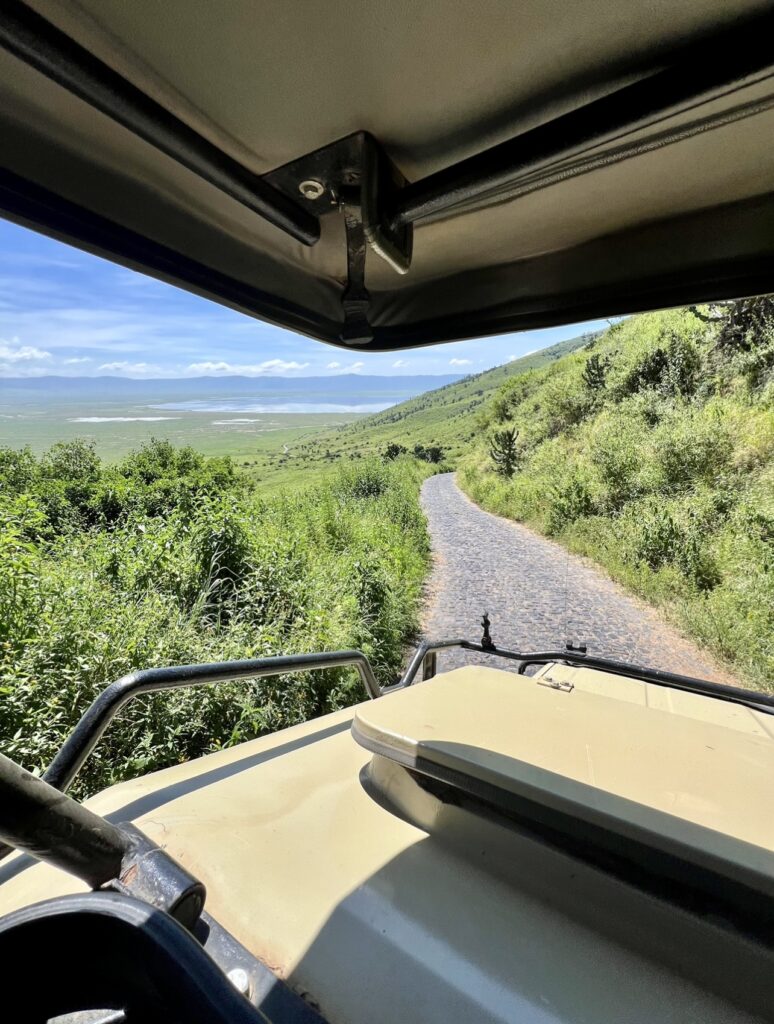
pixel 85 736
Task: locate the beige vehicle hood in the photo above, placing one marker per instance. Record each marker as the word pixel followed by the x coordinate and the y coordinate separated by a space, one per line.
pixel 381 902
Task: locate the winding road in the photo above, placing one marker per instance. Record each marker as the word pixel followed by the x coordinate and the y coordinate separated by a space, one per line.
pixel 537 594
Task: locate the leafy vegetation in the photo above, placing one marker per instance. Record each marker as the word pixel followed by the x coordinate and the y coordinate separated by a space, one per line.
pixel 652 451
pixel 170 557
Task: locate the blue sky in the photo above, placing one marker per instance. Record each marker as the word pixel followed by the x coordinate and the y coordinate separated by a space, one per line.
pixel 65 312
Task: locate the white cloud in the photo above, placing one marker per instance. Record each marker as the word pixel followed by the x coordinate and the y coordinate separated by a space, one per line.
pixel 270 366
pixel 333 366
pixel 459 362
pixel 77 359
pixel 351 368
pixel 123 366
pixel 13 352
pixel 399 363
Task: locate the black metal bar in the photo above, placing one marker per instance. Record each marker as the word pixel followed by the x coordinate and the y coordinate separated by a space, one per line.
pixel 355 300
pixel 748 698
pixel 424 649
pixel 41 821
pixel 716 67
pixel 429 665
pixel 40 44
pixel 98 716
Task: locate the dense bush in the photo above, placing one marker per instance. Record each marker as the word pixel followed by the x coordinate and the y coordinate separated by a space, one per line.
pixel 168 558
pixel 655 455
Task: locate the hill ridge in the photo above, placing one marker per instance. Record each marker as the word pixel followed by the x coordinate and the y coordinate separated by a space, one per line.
pixel 444 416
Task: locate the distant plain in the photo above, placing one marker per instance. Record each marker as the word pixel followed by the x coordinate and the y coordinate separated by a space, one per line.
pixel 256 422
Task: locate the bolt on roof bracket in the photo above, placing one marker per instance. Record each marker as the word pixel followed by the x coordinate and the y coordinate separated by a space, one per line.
pixel 355 177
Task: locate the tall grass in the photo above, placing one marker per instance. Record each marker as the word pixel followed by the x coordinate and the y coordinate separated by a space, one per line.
pixel 652 451
pixel 168 559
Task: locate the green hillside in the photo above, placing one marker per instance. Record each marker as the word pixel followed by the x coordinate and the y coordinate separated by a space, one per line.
pixel 652 451
pixel 446 416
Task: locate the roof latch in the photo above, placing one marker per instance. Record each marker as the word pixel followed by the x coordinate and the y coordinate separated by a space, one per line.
pixel 555 684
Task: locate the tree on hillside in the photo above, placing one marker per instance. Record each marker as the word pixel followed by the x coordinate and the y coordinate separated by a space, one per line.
pixel 595 372
pixel 432 453
pixel 392 451
pixel 748 323
pixel 504 451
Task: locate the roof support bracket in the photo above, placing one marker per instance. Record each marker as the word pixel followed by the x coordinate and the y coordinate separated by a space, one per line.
pixel 354 177
pixel 355 298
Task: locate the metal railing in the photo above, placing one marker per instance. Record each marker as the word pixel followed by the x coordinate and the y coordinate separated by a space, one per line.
pixel 85 736
pixel 95 720
pixel 425 657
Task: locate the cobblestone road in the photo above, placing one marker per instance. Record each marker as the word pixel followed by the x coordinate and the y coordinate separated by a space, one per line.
pixel 537 594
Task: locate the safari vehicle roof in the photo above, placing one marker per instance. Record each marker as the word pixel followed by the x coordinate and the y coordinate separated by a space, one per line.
pixel 505 165
pixel 330 852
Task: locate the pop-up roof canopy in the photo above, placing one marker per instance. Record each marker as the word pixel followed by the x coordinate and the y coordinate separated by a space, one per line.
pixel 384 175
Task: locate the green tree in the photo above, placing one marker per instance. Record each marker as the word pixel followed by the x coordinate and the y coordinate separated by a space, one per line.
pixel 747 324
pixel 504 452
pixel 432 453
pixel 72 461
pixel 392 451
pixel 595 372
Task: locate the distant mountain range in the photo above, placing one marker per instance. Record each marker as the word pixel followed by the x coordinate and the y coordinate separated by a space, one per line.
pixel 346 388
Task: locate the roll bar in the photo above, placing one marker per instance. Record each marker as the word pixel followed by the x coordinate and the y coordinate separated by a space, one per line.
pixel 85 736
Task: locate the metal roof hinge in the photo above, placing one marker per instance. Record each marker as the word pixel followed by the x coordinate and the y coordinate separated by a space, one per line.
pixel 355 177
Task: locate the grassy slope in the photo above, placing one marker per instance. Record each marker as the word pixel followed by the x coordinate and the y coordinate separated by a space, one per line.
pixel 664 475
pixel 446 417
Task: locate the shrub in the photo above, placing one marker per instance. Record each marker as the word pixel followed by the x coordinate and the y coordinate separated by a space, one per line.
pixel 659 538
pixel 747 324
pixel 673 370
pixel 688 449
pixel 614 450
pixel 568 501
pixel 647 373
pixel 18 470
pixel 369 480
pixel 220 544
pixel 429 453
pixel 72 461
pixel 683 366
